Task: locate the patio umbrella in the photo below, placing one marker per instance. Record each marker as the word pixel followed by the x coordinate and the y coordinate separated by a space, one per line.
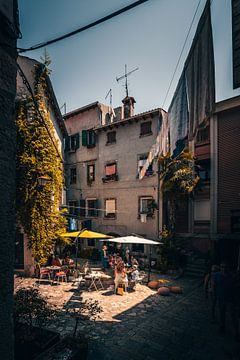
pixel 136 240
pixel 86 234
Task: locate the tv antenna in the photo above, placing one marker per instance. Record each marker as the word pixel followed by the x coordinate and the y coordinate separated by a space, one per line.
pixel 125 76
pixel 64 106
pixel 110 96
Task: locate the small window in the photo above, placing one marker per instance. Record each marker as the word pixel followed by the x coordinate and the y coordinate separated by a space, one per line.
pixel 73 175
pixel 110 172
pixel 203 170
pixel 111 137
pixel 110 208
pixel 91 208
pixel 146 205
pixel 107 119
pixel 72 207
pixel 90 173
pixel 141 161
pixel 203 135
pixel 71 143
pixel 88 138
pixel 146 128
pixel 202 210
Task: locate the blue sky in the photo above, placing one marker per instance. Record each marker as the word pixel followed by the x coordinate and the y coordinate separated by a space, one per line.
pixel 85 66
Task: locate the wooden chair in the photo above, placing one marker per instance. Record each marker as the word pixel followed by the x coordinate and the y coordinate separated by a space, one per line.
pixel 61 275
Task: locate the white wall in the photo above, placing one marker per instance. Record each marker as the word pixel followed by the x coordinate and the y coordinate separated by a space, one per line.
pixel 221 14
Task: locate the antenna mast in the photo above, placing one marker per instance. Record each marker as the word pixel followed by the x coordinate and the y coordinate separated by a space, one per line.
pixel 110 95
pixel 125 76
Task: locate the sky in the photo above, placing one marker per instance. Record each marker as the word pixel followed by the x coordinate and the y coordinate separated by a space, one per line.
pixel 85 66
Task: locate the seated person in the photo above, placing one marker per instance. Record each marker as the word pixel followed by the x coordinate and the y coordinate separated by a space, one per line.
pixel 56 261
pixel 133 261
pixel 120 275
pixel 67 261
pixel 134 276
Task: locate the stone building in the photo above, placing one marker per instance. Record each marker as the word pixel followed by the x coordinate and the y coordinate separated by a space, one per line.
pixel 105 152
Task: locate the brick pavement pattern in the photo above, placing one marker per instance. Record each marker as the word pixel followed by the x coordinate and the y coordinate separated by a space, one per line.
pixel 145 326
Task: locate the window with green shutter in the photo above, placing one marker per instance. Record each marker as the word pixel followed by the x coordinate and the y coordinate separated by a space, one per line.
pixel 84 137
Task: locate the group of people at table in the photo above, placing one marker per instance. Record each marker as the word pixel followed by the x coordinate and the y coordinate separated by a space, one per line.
pixel 125 267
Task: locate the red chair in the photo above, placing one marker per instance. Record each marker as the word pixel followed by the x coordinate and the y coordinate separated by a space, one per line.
pixel 61 275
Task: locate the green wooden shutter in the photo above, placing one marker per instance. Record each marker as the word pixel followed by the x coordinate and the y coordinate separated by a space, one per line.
pixel 77 140
pixel 67 144
pixel 84 137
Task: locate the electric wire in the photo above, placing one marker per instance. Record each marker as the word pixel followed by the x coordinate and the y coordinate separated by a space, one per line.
pixel 179 58
pixel 92 24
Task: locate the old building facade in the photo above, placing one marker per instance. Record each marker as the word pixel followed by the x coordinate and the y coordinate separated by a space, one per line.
pixel 103 168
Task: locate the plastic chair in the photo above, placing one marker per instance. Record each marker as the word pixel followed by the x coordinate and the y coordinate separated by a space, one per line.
pixel 61 275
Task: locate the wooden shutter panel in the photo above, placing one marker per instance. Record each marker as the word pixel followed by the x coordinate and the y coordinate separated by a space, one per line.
pixel 67 144
pixel 77 141
pixel 236 42
pixel 84 138
pixel 82 211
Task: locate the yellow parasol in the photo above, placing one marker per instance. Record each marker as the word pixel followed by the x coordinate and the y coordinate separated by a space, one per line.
pixel 87 234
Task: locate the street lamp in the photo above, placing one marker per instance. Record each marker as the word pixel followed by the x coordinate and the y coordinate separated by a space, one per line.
pixel 42 181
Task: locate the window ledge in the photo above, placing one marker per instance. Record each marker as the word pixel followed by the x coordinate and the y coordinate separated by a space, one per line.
pixel 147 134
pixel 110 178
pixel 110 143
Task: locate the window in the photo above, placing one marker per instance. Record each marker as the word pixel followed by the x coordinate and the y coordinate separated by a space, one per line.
pixel 203 170
pixel 90 173
pixel 88 138
pixel 235 42
pixel 91 207
pixel 71 143
pixel 202 210
pixel 110 208
pixel 91 242
pixel 203 135
pixel 111 137
pixel 72 207
pixel 73 175
pixel 146 205
pixel 146 128
pixel 141 161
pixel 107 119
pixel 110 172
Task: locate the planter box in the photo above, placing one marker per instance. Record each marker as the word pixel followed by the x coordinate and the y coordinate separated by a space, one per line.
pixel 66 349
pixel 29 342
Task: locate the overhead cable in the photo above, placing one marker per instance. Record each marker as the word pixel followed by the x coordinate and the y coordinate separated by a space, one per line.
pixel 94 23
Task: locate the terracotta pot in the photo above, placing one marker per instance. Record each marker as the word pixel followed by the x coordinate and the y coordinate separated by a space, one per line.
pixel 153 284
pixel 164 291
pixel 176 289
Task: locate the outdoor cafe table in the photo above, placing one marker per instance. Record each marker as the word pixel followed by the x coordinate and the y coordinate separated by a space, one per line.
pixel 53 270
pixel 95 280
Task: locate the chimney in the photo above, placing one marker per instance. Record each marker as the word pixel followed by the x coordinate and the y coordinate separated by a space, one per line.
pixel 128 106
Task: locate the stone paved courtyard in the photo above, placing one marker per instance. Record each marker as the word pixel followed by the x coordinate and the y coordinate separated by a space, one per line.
pixel 144 325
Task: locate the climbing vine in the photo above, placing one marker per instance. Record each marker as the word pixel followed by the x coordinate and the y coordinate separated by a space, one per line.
pixel 38 209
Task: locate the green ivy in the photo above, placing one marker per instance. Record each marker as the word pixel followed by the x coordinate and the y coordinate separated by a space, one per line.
pixel 38 209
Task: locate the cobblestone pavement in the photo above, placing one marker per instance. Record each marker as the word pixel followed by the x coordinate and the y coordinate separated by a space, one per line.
pixel 145 326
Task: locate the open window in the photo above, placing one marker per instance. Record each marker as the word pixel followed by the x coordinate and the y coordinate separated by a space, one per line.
pixel 141 161
pixel 110 172
pixel 90 173
pixel 88 138
pixel 72 207
pixel 146 206
pixel 72 143
pixel 111 137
